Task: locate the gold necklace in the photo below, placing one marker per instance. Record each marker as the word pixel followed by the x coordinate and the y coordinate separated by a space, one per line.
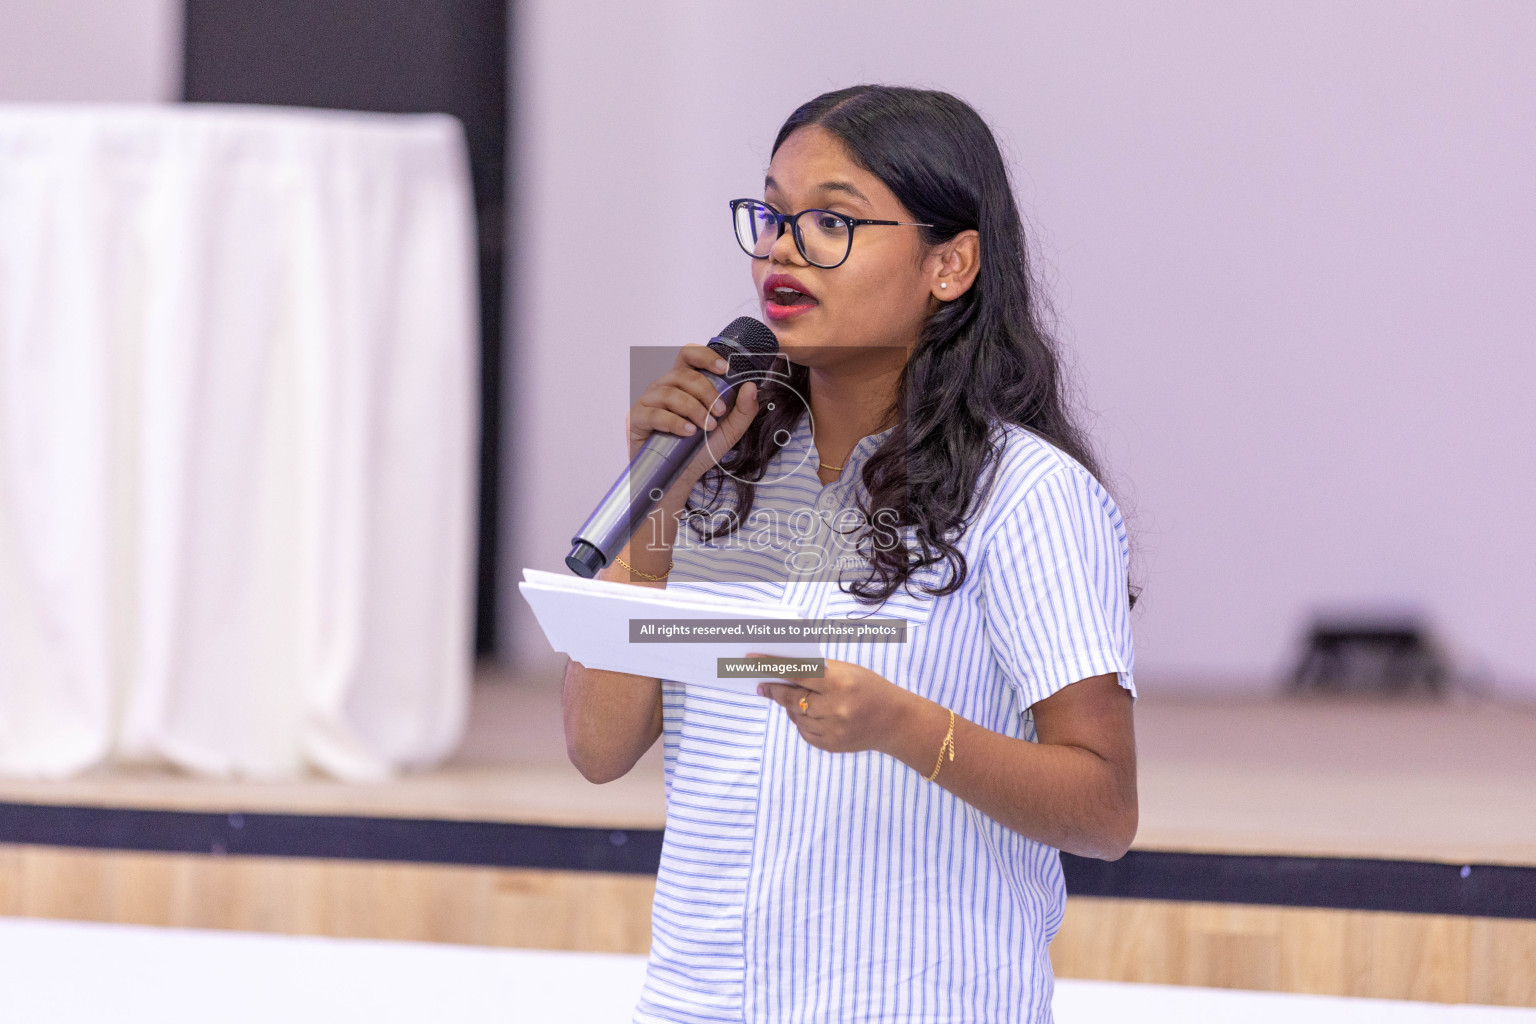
pixel 823 465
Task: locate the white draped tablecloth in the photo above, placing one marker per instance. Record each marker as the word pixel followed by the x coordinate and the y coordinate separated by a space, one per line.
pixel 238 418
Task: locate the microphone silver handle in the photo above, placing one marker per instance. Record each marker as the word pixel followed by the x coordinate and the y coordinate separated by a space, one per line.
pixel 652 472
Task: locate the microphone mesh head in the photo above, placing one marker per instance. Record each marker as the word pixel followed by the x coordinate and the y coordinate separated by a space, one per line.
pixel 752 335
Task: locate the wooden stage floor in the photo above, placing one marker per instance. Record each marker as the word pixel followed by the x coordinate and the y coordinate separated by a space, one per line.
pixel 1336 847
pixel 1451 781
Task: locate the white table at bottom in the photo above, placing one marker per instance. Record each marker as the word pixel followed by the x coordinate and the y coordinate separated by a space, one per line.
pixel 63 972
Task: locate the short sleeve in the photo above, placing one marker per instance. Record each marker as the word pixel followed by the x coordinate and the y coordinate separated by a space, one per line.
pixel 1054 573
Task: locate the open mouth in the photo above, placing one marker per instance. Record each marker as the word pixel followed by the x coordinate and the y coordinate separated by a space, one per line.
pixel 789 297
pixel 783 298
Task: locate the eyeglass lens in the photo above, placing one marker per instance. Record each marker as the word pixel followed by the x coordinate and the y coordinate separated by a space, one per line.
pixel 822 237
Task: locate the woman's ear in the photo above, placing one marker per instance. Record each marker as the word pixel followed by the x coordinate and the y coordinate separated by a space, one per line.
pixel 959 261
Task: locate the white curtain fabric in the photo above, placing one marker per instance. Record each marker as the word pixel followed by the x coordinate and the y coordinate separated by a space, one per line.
pixel 238 413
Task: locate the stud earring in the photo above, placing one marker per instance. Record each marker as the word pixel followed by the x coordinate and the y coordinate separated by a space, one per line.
pixel 943 284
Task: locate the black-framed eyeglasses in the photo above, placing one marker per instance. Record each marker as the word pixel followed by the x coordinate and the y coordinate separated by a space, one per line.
pixel 825 242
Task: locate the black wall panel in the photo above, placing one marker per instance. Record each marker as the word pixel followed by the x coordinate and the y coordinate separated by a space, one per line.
pixel 394 56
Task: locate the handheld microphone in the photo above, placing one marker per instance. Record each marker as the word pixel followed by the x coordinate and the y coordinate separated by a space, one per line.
pixel 748 347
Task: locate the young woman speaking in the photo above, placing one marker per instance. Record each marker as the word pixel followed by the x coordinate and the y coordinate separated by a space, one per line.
pixel 879 844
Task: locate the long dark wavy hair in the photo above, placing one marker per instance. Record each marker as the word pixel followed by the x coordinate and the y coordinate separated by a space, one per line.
pixel 982 359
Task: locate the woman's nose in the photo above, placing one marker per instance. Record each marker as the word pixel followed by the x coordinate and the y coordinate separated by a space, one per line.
pixel 784 249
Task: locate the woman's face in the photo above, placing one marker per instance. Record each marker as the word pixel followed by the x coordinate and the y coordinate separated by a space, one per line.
pixel 879 296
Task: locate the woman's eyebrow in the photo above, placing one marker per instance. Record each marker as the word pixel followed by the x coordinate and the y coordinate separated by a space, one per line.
pixel 843 186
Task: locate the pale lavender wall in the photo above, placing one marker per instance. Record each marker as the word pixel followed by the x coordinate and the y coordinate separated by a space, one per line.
pixel 1286 241
pixel 1292 245
pixel 92 51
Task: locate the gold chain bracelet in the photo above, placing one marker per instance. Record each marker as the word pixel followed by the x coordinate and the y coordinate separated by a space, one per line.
pixel 645 575
pixel 948 745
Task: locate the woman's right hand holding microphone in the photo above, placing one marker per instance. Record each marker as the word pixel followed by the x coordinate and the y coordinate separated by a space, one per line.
pixel 682 401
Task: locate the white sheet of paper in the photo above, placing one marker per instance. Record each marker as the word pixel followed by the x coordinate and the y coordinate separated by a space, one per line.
pixel 589 620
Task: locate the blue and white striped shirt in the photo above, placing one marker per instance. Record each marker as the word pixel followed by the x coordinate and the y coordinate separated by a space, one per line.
pixel 798 885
